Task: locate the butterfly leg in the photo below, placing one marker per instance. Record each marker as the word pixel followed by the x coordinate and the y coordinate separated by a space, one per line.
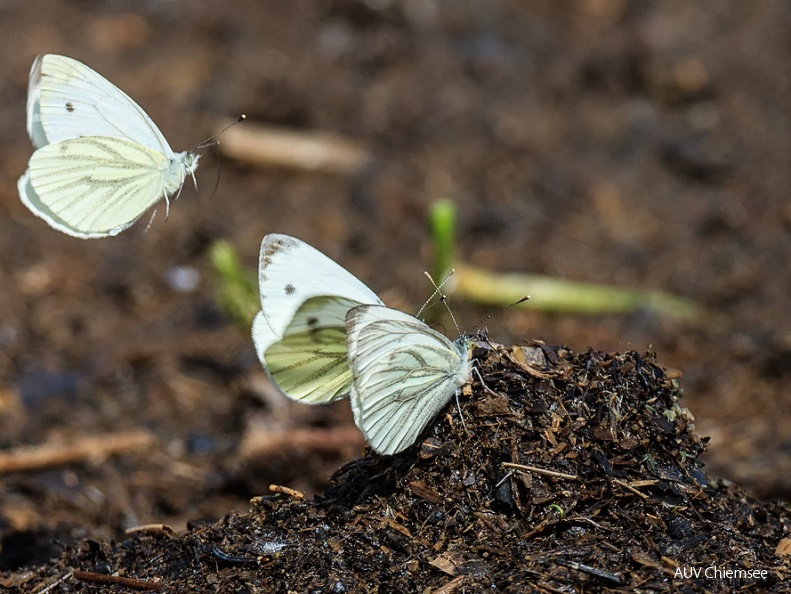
pixel 461 416
pixel 478 373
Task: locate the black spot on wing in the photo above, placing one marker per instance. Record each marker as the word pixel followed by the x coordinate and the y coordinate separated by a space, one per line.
pixel 290 289
pixel 69 106
pixel 313 329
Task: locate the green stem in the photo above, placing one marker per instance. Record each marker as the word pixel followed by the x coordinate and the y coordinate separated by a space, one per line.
pixel 562 296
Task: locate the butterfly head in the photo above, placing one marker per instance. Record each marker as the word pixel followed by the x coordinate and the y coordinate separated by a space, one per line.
pixel 463 344
pixel 181 165
pixel 190 164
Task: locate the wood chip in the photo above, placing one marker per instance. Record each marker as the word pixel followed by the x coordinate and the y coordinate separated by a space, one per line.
pixel 153 529
pixel 452 585
pixel 424 492
pixel 287 491
pixel 450 563
pixel 397 527
pixel 783 548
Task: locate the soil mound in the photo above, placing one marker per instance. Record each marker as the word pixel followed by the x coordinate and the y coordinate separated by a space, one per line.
pixel 564 472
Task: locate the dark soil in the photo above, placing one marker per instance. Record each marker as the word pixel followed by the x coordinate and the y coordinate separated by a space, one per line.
pixel 643 145
pixel 604 492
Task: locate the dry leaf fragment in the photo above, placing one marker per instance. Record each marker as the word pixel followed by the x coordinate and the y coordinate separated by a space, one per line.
pixel 424 492
pixel 450 563
pixel 783 547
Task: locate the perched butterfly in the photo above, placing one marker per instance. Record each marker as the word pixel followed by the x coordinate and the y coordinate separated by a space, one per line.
pixel 404 373
pixel 300 332
pixel 100 162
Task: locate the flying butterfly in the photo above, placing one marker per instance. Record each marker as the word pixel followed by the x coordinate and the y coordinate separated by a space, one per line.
pixel 403 374
pixel 100 161
pixel 300 332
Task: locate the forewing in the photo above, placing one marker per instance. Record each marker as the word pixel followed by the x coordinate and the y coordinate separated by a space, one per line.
pixel 34 127
pixel 290 272
pixel 308 363
pixel 404 373
pixel 93 187
pixel 68 100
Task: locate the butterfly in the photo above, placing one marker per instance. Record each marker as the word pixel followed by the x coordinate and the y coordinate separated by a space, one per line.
pixel 403 374
pixel 300 332
pixel 100 161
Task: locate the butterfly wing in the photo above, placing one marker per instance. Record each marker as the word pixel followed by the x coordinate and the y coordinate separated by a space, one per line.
pixel 404 373
pixel 290 272
pixel 308 362
pixel 68 100
pixel 35 128
pixel 300 332
pixel 95 186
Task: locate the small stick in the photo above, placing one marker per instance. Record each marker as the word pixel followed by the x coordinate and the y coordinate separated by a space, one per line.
pixel 60 580
pixel 505 478
pixel 452 585
pixel 260 443
pixel 269 146
pixel 57 454
pixel 287 491
pixel 159 529
pixel 630 488
pixel 525 467
pixel 101 578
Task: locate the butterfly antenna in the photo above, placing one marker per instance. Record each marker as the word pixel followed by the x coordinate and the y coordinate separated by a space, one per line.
pixel 443 297
pixel 210 140
pixel 437 290
pixel 208 143
pixel 219 173
pixel 498 312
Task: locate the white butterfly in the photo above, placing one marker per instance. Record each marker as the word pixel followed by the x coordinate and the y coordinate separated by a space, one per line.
pixel 100 161
pixel 300 332
pixel 404 373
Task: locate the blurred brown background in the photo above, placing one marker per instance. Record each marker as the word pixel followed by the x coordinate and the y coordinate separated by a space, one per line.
pixel 643 145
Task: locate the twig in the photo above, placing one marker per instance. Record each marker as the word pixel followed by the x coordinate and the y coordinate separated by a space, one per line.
pixel 451 586
pixel 101 578
pixel 308 151
pixel 60 580
pixel 158 529
pixel 630 488
pixel 57 454
pixel 293 493
pixel 260 443
pixel 595 571
pixel 525 467
pixel 508 475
